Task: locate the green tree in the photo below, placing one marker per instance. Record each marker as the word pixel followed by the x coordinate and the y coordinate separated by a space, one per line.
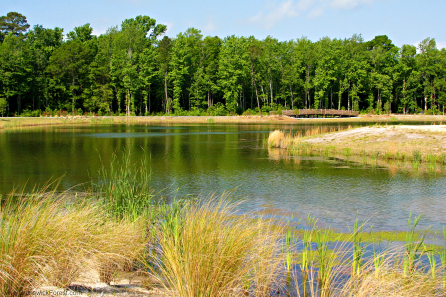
pixel 82 34
pixel 14 23
pixel 164 56
pixel 69 63
pixel 426 62
pixel 42 43
pixel 15 73
pixel 233 70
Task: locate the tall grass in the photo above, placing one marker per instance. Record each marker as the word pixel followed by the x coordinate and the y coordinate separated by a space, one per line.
pixel 47 239
pixel 125 187
pixel 279 139
pixel 214 252
pixel 195 248
pixel 391 282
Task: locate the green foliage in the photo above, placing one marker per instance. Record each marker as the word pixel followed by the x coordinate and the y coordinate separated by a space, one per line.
pixel 130 71
pixel 13 23
pixel 125 188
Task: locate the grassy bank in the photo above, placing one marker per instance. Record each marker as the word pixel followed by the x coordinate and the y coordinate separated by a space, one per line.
pixel 411 145
pixel 12 123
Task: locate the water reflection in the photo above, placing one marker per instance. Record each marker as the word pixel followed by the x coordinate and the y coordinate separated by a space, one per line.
pixel 201 159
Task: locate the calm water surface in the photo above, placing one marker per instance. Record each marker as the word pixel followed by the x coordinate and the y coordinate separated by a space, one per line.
pixel 204 159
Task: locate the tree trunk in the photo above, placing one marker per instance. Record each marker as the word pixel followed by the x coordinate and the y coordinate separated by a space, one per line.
pixel 255 87
pixel 165 89
pixel 271 89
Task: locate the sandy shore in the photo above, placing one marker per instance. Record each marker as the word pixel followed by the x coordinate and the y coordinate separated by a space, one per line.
pixel 404 144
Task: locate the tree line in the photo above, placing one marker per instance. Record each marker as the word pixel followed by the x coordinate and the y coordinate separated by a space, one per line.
pixel 133 69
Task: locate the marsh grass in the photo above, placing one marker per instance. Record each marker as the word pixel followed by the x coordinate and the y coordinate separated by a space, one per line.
pixel 204 248
pixel 198 247
pixel 124 187
pixel 389 281
pixel 212 252
pixel 278 138
pixel 45 238
pixel 384 146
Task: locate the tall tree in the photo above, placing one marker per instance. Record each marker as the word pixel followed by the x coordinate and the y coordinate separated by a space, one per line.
pixel 164 56
pixel 14 23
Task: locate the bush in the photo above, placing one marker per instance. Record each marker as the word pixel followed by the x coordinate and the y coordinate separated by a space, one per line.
pixel 217 109
pixel 30 113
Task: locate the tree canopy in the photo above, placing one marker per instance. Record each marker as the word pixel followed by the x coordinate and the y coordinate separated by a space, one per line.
pixel 133 69
pixel 14 23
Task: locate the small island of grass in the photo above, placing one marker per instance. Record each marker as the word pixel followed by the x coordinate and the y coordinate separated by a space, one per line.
pixel 406 143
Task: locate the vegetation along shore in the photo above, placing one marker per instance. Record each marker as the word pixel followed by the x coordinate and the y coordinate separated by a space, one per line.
pixel 403 143
pixel 17 122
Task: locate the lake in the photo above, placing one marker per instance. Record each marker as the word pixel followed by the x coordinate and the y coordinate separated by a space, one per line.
pixel 200 160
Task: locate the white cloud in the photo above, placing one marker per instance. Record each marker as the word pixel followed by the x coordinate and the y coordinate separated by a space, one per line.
pixel 169 27
pixel 286 9
pixel 441 44
pixel 210 25
pixel 273 14
pixel 305 4
pixel 316 12
pixel 349 4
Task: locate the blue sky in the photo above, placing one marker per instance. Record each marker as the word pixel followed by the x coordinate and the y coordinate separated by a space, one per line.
pixel 404 21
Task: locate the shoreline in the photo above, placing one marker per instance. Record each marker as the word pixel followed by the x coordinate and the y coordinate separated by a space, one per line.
pixel 17 122
pixel 401 143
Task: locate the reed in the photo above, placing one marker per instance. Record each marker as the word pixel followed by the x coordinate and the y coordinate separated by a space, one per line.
pixel 443 262
pixel 391 281
pixel 124 187
pixel 358 249
pixel 277 139
pixel 325 262
pixel 413 245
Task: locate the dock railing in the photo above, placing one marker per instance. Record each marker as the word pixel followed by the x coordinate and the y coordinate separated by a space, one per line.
pixel 319 112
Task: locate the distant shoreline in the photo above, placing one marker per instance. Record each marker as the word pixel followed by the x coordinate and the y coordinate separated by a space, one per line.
pixel 17 122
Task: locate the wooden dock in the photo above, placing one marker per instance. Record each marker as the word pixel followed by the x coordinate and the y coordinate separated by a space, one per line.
pixel 320 113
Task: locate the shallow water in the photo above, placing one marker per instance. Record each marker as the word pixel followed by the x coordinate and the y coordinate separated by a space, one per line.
pixel 214 158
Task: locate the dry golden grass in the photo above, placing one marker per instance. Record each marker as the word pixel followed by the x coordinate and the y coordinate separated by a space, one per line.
pixel 47 240
pixel 212 252
pixel 383 143
pixel 391 282
pixel 277 139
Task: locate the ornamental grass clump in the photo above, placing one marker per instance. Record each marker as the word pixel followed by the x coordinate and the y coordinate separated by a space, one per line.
pixel 277 139
pixel 208 250
pixel 47 239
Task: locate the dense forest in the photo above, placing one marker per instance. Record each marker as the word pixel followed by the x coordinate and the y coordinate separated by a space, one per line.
pixel 133 69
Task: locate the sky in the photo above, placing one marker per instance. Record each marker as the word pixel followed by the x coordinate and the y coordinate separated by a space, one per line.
pixel 403 21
